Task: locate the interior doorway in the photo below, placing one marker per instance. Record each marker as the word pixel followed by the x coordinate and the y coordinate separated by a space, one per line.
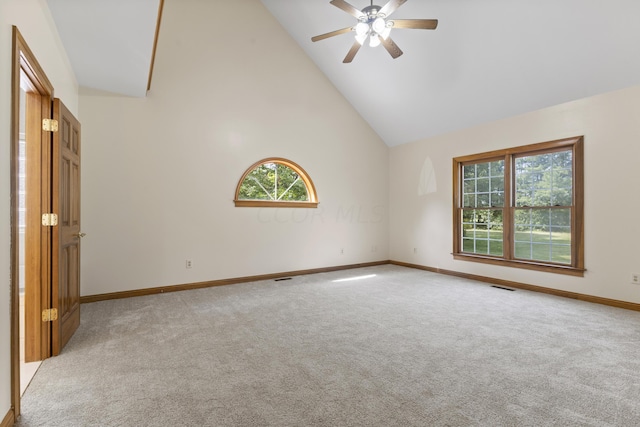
pixel 31 102
pixel 45 220
pixel 28 363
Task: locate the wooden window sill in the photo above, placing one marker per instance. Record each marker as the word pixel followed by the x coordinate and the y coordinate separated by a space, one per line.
pixel 273 204
pixel 529 265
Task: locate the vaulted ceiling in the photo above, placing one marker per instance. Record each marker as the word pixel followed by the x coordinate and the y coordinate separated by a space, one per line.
pixel 109 43
pixel 487 59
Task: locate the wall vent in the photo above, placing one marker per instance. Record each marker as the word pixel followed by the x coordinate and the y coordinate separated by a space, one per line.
pixel 501 287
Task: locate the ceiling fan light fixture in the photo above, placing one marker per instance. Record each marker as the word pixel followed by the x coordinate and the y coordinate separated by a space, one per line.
pixel 361 38
pixel 374 40
pixel 373 23
pixel 379 25
pixel 362 29
pixel 385 33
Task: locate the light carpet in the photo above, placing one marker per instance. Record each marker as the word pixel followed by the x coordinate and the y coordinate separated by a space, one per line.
pixel 402 348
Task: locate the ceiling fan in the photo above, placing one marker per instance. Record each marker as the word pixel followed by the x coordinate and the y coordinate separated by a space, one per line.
pixel 373 23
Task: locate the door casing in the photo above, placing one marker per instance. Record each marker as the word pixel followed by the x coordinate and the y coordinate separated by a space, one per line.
pixel 42 243
pixel 25 65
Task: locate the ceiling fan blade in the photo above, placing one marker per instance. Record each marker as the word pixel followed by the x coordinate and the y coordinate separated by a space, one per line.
pixel 352 52
pixel 421 24
pixel 391 6
pixel 347 8
pixel 391 47
pixel 331 34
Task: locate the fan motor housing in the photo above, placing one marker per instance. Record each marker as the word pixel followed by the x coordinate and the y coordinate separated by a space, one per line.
pixel 371 12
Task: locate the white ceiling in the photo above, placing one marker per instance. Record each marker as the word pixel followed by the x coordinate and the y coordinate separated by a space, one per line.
pixel 109 43
pixel 487 59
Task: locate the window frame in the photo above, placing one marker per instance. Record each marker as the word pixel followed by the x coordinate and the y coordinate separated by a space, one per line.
pixel 509 155
pixel 311 189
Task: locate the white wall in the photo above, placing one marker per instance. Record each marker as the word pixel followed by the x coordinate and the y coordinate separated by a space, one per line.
pixel 159 173
pixel 34 21
pixel 611 130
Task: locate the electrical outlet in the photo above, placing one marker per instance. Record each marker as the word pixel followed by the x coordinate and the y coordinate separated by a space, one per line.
pixel 635 278
pixel 341 251
pixel 374 248
pixel 188 263
pixel 415 250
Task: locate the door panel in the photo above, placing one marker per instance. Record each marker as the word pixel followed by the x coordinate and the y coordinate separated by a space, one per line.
pixel 66 236
pixel 36 247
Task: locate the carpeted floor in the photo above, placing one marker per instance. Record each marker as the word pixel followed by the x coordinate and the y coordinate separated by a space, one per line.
pixel 402 348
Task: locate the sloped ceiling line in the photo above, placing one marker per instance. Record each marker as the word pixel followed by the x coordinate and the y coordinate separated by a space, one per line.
pixel 155 43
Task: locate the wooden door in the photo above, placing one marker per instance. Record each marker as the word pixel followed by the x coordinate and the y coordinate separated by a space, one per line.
pixel 36 246
pixel 65 289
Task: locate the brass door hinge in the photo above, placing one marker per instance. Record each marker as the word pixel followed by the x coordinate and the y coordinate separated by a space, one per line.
pixel 50 125
pixel 49 220
pixel 49 315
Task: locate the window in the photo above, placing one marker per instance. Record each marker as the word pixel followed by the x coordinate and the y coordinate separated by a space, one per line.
pixel 275 182
pixel 522 207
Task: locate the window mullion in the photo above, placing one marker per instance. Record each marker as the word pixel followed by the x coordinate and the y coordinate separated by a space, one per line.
pixel 275 184
pixel 458 204
pixel 508 209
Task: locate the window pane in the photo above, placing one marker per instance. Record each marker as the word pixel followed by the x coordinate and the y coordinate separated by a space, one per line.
pixel 544 179
pixel 543 235
pixel 497 189
pixel 483 200
pixel 523 198
pixel 560 218
pixel 495 247
pixel 468 217
pixel 469 171
pixel 562 187
pixel 482 185
pixel 469 201
pixel 497 200
pixel 467 245
pixel 561 253
pixel 256 185
pixel 523 250
pixel 563 160
pixel 497 168
pixel 469 186
pixel 293 191
pixel 482 231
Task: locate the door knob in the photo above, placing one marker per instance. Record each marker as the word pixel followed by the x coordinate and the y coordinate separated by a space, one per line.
pixel 80 234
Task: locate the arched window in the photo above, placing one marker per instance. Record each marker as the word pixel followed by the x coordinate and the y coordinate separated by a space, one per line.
pixel 276 182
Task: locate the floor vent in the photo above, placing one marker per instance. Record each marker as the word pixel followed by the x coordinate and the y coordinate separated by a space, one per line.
pixel 283 278
pixel 500 287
